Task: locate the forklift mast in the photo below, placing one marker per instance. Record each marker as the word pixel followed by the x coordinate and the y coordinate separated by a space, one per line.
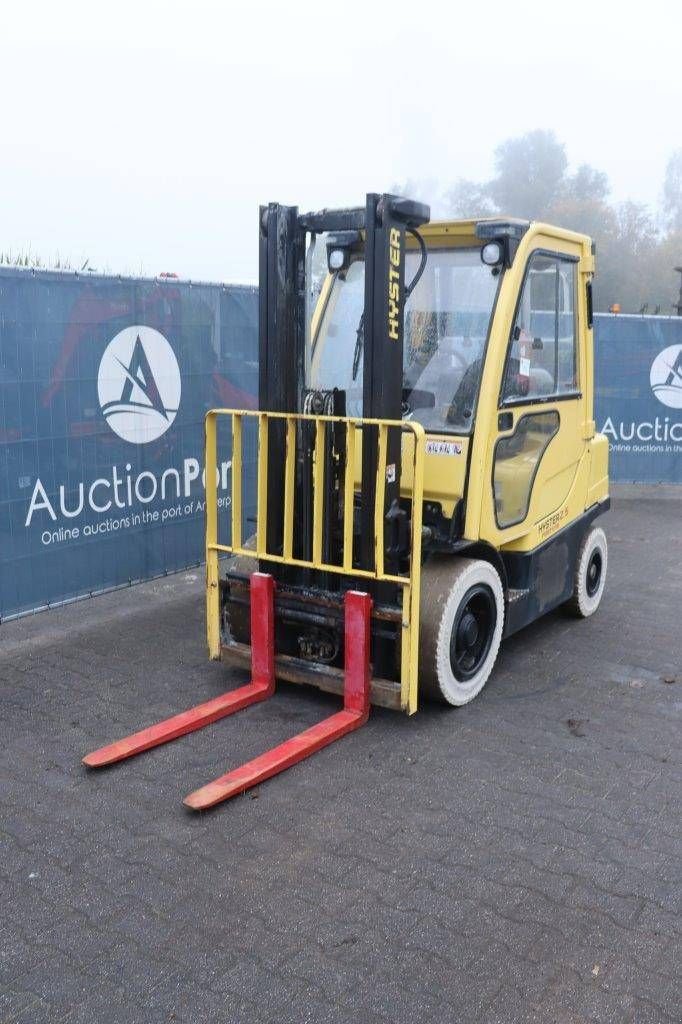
pixel 383 224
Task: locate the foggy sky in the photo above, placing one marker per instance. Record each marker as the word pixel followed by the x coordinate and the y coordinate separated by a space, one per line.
pixel 143 135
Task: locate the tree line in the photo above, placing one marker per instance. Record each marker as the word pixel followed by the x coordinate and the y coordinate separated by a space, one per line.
pixel 637 248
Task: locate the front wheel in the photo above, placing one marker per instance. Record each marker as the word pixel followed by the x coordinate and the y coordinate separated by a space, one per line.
pixel 462 615
pixel 590 574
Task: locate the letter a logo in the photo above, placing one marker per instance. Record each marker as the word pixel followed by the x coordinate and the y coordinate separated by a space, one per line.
pixel 139 384
pixel 666 376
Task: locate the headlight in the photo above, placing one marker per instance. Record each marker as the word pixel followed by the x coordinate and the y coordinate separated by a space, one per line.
pixel 492 254
pixel 336 259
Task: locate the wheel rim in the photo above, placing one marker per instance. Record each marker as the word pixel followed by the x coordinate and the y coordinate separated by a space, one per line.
pixel 594 571
pixel 472 632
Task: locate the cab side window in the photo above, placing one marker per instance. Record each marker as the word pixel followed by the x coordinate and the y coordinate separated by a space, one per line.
pixel 542 359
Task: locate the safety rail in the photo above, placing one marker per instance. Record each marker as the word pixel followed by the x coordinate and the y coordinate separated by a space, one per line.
pixel 409 582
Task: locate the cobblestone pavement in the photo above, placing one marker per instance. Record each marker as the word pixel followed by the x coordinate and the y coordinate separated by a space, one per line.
pixel 518 860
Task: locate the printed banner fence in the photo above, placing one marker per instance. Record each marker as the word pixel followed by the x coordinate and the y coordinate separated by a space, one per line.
pixel 104 383
pixel 638 395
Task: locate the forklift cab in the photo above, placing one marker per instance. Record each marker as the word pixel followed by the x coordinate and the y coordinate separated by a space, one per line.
pixel 540 369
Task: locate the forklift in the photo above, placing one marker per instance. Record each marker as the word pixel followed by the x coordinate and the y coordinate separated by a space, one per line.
pixel 428 474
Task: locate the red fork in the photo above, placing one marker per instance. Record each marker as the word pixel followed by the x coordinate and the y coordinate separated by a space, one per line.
pixel 262 685
pixel 355 712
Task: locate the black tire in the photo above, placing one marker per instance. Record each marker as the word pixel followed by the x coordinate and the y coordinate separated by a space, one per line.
pixel 462 617
pixel 590 574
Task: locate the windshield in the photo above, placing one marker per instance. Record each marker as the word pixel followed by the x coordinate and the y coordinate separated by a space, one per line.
pixel 446 326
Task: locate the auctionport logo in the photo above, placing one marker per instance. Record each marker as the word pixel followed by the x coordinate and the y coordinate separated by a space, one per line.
pixel 666 376
pixel 139 384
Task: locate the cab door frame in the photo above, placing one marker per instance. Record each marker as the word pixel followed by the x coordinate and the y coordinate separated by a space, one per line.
pixel 494 415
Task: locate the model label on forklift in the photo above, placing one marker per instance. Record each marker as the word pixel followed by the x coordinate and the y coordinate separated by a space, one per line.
pixel 395 256
pixel 443 448
pixel 552 522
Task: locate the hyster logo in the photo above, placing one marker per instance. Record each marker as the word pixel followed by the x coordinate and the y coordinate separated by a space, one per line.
pixel 666 376
pixel 395 255
pixel 139 384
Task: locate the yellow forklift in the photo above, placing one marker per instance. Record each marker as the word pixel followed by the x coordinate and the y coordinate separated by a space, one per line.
pixel 428 473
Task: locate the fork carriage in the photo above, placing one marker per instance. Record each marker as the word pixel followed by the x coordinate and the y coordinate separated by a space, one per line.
pixel 320 481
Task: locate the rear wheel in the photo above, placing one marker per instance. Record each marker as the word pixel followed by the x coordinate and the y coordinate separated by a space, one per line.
pixel 462 616
pixel 590 574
